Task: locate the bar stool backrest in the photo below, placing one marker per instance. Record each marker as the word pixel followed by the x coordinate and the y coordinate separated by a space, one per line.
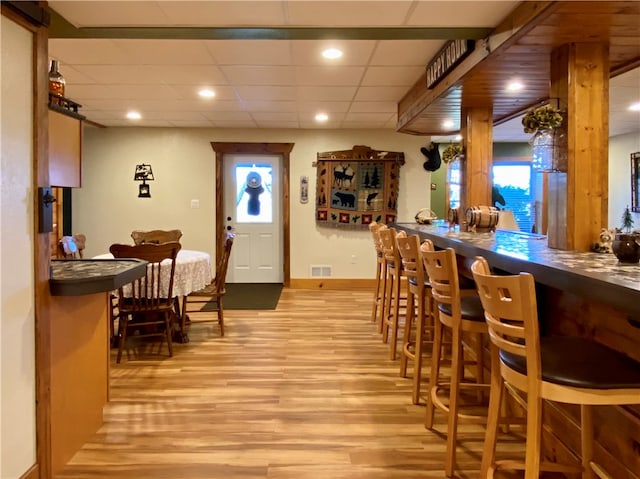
pixel 390 248
pixel 509 303
pixel 409 249
pixel 442 270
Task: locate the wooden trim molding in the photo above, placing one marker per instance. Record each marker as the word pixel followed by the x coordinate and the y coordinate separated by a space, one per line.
pixel 282 149
pixel 32 473
pixel 337 284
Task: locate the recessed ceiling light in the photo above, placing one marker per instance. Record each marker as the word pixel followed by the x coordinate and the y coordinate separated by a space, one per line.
pixel 515 85
pixel 207 93
pixel 447 124
pixel 134 115
pixel 332 53
pixel 322 117
pixel 635 106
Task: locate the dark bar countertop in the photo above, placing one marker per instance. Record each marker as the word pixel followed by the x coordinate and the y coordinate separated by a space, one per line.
pixel 595 275
pixel 78 276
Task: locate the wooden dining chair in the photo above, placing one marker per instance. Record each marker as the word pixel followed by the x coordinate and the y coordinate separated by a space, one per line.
pixel 155 236
pixel 212 294
pixel 147 304
pixel 570 370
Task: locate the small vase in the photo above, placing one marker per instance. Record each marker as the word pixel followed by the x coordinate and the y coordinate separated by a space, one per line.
pixel 542 143
pixel 626 247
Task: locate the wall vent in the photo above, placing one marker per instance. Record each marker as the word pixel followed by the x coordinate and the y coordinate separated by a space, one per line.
pixel 321 271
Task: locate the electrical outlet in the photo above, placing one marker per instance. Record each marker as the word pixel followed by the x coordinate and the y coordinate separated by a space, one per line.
pixel 195 204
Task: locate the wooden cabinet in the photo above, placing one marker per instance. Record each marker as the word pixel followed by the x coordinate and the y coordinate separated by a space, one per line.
pixel 65 149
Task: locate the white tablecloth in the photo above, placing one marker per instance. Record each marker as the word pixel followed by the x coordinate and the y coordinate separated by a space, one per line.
pixel 193 271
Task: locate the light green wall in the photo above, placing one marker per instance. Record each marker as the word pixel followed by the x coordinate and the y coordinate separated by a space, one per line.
pixel 107 208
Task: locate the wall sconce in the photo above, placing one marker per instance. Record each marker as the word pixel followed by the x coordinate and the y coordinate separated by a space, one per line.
pixel 143 173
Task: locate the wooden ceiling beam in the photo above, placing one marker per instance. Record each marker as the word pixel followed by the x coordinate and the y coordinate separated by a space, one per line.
pixel 518 23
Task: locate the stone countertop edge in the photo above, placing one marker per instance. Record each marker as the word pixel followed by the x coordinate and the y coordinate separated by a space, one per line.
pixel 590 275
pixel 78 277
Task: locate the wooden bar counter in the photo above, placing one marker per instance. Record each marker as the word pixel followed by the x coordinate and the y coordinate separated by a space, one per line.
pixel 79 348
pixel 579 294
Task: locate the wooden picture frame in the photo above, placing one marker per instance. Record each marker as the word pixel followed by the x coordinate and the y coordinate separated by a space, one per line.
pixel 635 182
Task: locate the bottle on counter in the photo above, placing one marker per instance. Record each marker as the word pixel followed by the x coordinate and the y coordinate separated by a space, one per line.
pixel 56 82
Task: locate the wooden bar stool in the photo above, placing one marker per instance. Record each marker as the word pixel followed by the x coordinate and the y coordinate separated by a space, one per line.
pixel 419 314
pixel 461 312
pixel 564 369
pixel 381 274
pixel 393 291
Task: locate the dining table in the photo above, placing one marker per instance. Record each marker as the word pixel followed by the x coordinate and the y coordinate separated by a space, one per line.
pixel 192 273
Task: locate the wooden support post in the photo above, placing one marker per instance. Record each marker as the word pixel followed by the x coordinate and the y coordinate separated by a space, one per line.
pixel 578 199
pixel 477 133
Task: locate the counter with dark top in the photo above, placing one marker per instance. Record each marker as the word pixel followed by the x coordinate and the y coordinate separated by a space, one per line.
pixel 599 276
pixel 78 276
pixel 582 294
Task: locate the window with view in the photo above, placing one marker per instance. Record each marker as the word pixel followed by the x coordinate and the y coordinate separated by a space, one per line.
pixel 514 182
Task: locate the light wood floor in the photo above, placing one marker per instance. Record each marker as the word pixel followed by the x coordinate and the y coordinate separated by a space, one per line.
pixel 303 392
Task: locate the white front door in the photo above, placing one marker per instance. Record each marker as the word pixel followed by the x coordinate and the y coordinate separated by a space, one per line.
pixel 253 202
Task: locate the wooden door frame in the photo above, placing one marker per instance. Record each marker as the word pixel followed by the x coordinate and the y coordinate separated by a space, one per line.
pixel 284 150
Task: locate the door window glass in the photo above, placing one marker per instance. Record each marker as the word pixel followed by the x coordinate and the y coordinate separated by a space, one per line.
pixel 253 193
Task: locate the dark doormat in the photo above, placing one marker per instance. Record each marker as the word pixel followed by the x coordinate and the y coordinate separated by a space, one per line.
pixel 249 296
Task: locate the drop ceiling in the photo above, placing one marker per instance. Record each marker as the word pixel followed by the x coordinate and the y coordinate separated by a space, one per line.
pixel 263 60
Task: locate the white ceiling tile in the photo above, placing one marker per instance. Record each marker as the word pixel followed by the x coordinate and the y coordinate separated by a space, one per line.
pixel 383 117
pixel 329 75
pixel 392 76
pixel 380 93
pixel 277 78
pixel 325 106
pixel 259 75
pixel 274 116
pixel 266 105
pixel 348 13
pixel 175 116
pixel 149 123
pixel 190 92
pixel 235 124
pixel 445 13
pixel 405 52
pixel 374 106
pixel 75 74
pixel 224 13
pixel 128 92
pixel 109 13
pixel 278 124
pixel 238 116
pixel 325 93
pixel 354 52
pixel 191 123
pixel 202 75
pixel 250 52
pixel 167 52
pixel 95 51
pixel 259 92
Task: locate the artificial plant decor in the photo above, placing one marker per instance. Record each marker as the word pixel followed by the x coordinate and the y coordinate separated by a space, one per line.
pixel 452 151
pixel 541 118
pixel 627 220
pixel 626 245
